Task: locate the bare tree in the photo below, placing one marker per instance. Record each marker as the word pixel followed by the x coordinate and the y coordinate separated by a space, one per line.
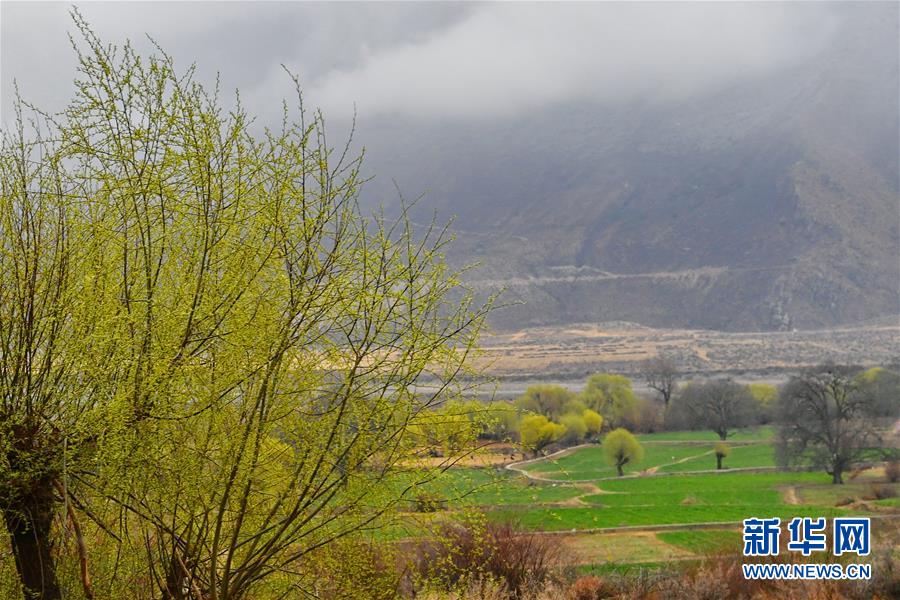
pixel 661 375
pixel 828 418
pixel 720 405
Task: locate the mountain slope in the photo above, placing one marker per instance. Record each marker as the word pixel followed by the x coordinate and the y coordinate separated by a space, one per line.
pixel 773 204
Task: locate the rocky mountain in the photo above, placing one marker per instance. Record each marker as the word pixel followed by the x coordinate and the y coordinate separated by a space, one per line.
pixel 769 204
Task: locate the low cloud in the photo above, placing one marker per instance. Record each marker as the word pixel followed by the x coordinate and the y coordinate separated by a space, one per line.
pixel 510 58
pixel 432 60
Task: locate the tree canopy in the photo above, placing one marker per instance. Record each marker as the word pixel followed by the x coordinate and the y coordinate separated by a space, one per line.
pixel 206 349
pixel 830 417
pixel 621 448
pixel 612 397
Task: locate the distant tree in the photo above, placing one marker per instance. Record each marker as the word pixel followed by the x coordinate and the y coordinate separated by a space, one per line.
pixel 593 420
pixel 502 421
pixel 576 428
pixel 661 374
pixel 765 395
pixel 537 432
pixel 829 418
pixel 621 448
pixel 612 397
pixel 722 450
pixel 720 405
pixel 883 387
pixel 547 400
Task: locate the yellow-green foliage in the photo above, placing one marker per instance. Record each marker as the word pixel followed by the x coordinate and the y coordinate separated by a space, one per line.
pixel 537 432
pixel 764 393
pixel 621 448
pixel 452 427
pixel 870 375
pixel 548 400
pixel 576 427
pixel 612 397
pixel 593 420
pixel 722 449
pixel 502 420
pixel 223 352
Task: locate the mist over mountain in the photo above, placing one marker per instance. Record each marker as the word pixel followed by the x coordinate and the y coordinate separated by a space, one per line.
pixel 770 202
pixel 728 166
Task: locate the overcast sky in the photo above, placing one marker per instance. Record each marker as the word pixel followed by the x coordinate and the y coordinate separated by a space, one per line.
pixel 430 60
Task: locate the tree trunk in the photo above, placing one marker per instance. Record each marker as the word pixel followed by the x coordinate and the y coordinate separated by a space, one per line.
pixel 837 477
pixel 718 461
pixel 29 522
pixel 619 469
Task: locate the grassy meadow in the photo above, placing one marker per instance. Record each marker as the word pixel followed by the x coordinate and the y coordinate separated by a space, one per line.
pixel 673 505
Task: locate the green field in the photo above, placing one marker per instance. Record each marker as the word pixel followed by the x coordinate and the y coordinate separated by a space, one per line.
pixel 754 434
pixel 575 518
pixel 675 484
pixel 489 487
pixel 665 500
pixel 588 463
pixel 666 456
pixel 633 501
pixel 741 457
pixel 703 541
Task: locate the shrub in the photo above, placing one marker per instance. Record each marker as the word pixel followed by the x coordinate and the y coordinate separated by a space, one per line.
pixel 353 569
pixel 892 470
pixel 462 553
pixel 590 587
pixel 881 492
pixel 722 450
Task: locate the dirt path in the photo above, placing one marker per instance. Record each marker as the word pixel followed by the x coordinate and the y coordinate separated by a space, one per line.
pixel 790 496
pixel 653 470
pixel 518 467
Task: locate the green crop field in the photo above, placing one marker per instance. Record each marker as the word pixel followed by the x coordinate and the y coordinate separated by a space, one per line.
pixel 574 518
pixel 487 487
pixel 674 488
pixel 635 501
pixel 675 485
pixel 753 434
pixel 703 541
pixel 741 457
pixel 589 463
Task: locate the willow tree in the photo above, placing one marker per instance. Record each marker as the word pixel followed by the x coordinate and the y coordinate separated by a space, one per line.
pixel 207 348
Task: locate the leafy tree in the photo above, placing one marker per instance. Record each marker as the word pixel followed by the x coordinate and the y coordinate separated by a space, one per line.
pixel 205 347
pixel 593 421
pixel 765 395
pixel 661 374
pixel 720 405
pixel 621 448
pixel 454 427
pixel 721 450
pixel 882 386
pixel 543 399
pixel 502 420
pixel 612 397
pixel 576 428
pixel 537 432
pixel 829 419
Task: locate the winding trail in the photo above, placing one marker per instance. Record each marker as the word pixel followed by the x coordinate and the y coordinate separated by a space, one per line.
pixel 519 467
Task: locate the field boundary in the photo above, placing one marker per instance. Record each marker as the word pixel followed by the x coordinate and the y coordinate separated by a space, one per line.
pixel 664 527
pixel 518 467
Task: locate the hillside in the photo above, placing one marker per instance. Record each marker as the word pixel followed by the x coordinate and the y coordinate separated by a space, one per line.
pixel 772 204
